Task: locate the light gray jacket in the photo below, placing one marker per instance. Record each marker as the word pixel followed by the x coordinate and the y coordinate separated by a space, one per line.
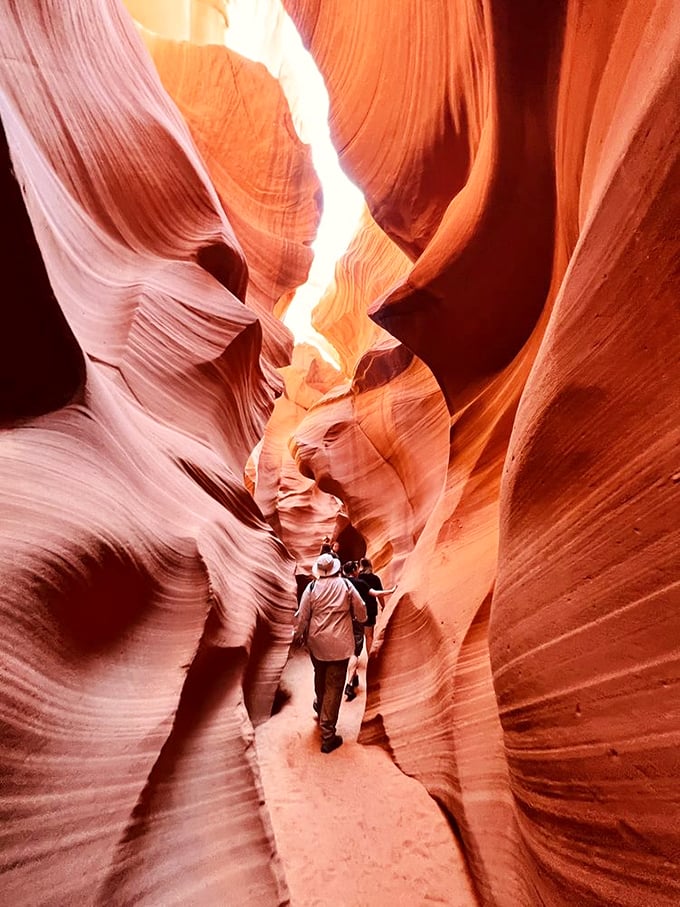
pixel 325 617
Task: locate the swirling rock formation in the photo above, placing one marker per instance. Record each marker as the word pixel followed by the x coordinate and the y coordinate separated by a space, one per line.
pixel 145 605
pixel 356 441
pixel 269 189
pixel 510 452
pixel 526 158
pixel 296 508
pixel 369 267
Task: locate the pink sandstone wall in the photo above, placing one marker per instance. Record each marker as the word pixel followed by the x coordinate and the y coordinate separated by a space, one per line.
pixel 145 605
pixel 268 189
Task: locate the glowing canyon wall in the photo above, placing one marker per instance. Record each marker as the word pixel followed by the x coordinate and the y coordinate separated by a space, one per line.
pixel 358 442
pixel 525 158
pixel 503 434
pixel 300 513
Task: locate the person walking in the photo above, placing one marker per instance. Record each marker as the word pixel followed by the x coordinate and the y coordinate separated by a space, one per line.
pixel 324 622
pixel 350 570
pixel 374 583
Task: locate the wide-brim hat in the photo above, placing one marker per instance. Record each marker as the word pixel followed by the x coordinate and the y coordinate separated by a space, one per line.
pixel 326 565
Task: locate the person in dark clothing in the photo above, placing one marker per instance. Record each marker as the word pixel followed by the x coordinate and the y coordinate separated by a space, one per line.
pixel 376 593
pixel 350 570
pixel 371 581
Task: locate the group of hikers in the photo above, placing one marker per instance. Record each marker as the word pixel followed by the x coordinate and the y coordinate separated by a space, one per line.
pixel 337 611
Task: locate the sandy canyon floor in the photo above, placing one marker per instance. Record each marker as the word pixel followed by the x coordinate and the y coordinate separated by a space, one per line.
pixel 352 830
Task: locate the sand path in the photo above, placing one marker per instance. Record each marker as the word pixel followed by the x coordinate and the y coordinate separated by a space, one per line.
pixel 352 830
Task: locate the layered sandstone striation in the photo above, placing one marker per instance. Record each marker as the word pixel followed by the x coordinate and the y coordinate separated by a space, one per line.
pixel 145 605
pixel 300 513
pixel 371 265
pixel 503 436
pixel 525 158
pixel 267 187
pixel 356 442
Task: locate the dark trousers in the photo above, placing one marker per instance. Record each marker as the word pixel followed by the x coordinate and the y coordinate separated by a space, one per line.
pixel 329 685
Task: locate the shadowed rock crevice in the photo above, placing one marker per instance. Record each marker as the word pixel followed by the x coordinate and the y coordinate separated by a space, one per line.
pixel 227 266
pixel 41 364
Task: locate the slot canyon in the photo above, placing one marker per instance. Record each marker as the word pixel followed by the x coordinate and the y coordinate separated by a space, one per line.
pixel 491 414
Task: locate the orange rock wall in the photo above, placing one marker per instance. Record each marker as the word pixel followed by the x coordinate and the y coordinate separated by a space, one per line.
pixel 198 21
pixel 269 190
pixel 509 453
pixel 371 265
pixel 526 158
pixel 356 442
pixel 293 504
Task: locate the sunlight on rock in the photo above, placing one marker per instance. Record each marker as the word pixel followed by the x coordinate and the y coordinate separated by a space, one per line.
pixel 261 30
pixel 501 439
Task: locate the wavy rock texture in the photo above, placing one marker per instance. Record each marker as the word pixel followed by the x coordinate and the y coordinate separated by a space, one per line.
pixel 298 511
pixel 357 439
pixel 528 673
pixel 145 605
pixel 371 264
pixel 264 176
pixel 408 164
pixel 356 442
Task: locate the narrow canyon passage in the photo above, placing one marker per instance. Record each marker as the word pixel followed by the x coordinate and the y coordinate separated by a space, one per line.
pixel 351 829
pixel 485 404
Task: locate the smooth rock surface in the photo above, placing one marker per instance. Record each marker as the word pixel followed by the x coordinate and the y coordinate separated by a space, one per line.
pixel 503 439
pixel 145 606
pixel 527 672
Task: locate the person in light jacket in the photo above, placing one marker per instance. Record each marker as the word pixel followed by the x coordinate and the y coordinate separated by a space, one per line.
pixel 324 621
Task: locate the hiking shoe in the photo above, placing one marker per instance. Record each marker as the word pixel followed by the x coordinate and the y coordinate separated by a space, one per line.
pixel 329 745
pixel 349 692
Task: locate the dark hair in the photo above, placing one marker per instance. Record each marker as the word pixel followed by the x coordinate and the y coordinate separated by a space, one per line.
pixel 325 549
pixel 365 564
pixel 349 567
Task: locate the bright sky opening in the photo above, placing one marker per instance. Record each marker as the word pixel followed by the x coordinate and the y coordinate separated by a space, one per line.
pixel 261 30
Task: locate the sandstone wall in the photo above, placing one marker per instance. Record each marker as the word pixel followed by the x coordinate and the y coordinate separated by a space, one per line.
pixel 300 513
pixel 268 188
pixel 525 158
pixel 357 442
pixel 145 605
pixel 507 445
